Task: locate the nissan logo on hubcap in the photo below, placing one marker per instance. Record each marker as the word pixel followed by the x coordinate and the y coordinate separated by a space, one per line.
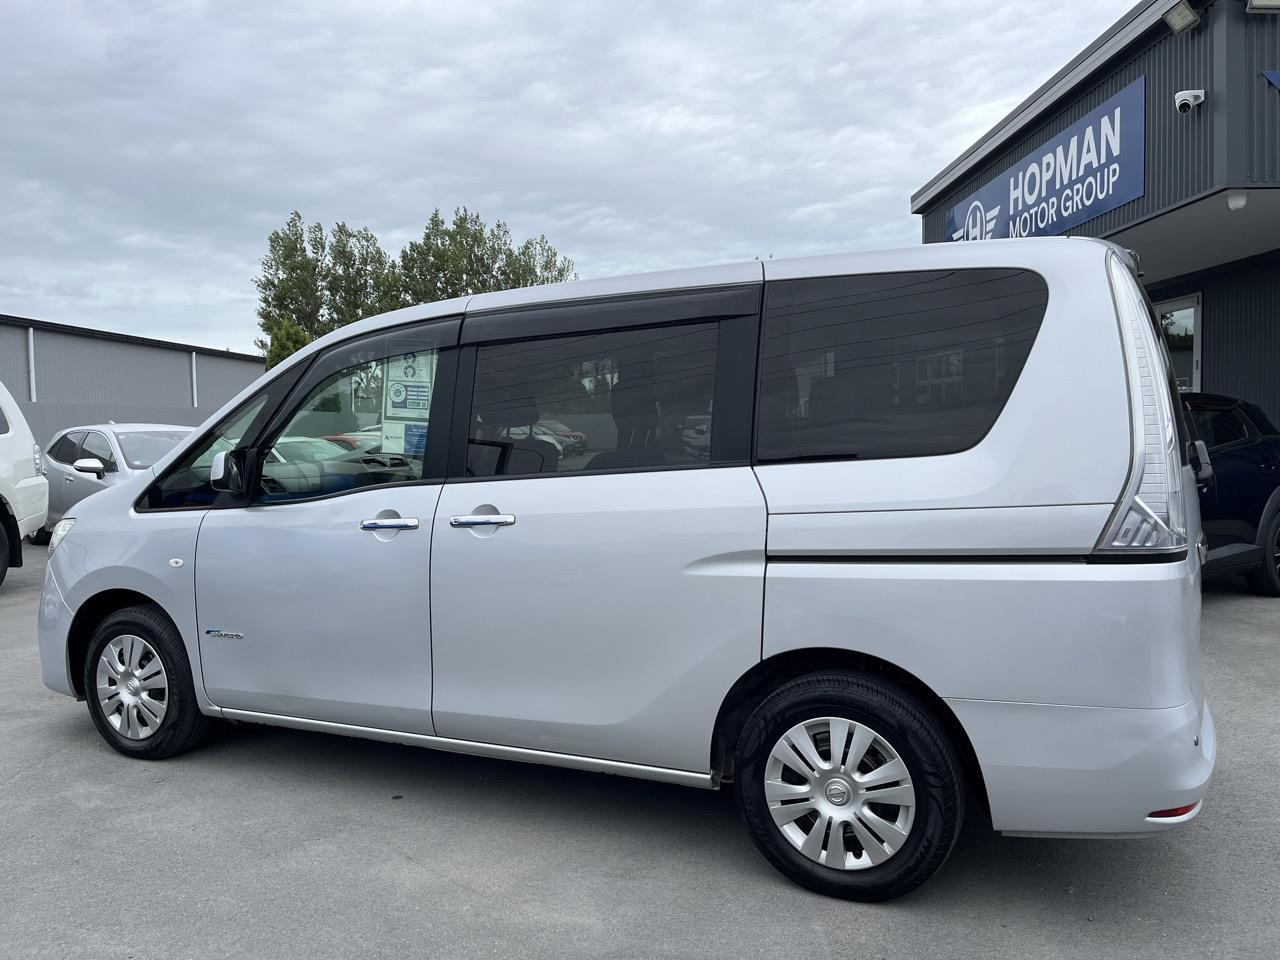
pixel 837 793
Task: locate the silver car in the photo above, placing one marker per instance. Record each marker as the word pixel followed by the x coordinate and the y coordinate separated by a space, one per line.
pixel 848 541
pixel 80 461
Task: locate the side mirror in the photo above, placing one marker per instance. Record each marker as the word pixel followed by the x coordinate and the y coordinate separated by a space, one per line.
pixel 90 465
pixel 226 473
pixel 1200 462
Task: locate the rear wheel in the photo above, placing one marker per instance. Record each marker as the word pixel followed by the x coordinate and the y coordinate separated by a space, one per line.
pixel 138 683
pixel 849 786
pixel 1266 578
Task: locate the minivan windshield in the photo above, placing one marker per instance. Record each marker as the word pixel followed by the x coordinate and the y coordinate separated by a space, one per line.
pixel 142 448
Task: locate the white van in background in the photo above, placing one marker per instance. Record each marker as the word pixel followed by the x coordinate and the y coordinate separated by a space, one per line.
pixel 24 492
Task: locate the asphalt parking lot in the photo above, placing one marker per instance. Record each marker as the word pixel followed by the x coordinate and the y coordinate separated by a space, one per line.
pixel 276 843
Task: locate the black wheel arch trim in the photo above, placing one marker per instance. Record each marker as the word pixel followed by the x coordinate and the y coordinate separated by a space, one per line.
pixel 769 672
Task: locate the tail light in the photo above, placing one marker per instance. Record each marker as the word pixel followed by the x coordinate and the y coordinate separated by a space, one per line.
pixel 37 459
pixel 1150 516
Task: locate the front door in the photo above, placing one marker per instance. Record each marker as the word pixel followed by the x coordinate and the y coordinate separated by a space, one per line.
pixel 312 599
pixel 597 596
pixel 64 480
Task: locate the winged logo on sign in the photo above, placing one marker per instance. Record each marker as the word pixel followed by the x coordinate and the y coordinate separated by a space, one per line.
pixel 979 223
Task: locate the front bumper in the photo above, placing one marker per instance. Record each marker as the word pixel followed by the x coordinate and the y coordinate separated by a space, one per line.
pixel 31 504
pixel 53 626
pixel 1089 771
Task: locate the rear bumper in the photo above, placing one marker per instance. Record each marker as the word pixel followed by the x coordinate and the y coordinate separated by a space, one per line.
pixel 1089 771
pixel 30 504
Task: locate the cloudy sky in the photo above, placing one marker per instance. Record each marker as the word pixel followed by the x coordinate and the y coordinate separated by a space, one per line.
pixel 148 148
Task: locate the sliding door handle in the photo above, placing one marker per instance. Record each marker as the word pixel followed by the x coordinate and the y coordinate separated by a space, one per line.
pixel 482 520
pixel 390 523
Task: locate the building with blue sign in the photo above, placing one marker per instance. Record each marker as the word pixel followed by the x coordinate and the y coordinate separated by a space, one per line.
pixel 1162 136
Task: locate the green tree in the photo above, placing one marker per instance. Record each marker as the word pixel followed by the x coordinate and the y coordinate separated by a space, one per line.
pixel 313 282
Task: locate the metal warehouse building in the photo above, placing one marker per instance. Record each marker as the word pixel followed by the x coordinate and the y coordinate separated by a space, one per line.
pixel 63 376
pixel 1162 136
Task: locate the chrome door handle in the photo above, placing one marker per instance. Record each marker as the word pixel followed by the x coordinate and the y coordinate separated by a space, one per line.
pixel 482 520
pixel 391 523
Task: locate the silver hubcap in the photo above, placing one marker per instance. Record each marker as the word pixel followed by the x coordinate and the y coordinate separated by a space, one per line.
pixel 839 793
pixel 133 689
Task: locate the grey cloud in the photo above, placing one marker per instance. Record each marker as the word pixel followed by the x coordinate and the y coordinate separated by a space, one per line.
pixel 148 149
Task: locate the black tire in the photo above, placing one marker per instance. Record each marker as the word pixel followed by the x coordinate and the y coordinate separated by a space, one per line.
pixel 4 551
pixel 1266 578
pixel 909 729
pixel 182 725
pixel 41 537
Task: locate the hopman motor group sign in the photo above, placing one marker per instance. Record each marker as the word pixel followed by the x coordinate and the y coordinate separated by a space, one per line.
pixel 1093 166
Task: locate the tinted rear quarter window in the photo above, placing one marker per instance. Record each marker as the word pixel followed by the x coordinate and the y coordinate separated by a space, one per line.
pixel 892 365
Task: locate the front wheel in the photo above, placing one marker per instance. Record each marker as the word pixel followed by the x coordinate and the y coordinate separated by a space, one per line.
pixel 1266 578
pixel 849 786
pixel 138 683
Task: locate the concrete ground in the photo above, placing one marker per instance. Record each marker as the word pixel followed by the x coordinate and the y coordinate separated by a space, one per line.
pixel 271 843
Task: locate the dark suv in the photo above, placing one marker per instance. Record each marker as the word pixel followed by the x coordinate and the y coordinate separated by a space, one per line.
pixel 1240 506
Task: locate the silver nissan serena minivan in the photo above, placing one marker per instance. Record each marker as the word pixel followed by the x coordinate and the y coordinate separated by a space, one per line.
pixel 875 541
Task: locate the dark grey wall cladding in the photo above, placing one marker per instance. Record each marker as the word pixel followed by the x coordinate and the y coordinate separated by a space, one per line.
pixel 1240 330
pixel 1261 100
pixel 1179 147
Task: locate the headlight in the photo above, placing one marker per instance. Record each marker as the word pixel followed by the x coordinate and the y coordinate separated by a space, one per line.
pixel 60 530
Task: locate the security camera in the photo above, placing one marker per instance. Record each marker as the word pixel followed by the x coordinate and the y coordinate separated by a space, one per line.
pixel 1186 100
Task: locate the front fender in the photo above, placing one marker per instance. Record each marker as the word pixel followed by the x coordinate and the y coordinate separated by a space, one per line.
pixel 152 554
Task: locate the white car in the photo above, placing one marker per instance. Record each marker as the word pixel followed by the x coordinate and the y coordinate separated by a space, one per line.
pixel 908 562
pixel 24 492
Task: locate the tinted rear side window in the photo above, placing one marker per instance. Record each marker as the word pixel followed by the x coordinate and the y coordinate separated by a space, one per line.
pixel 1260 421
pixel 611 400
pixel 892 365
pixel 1219 426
